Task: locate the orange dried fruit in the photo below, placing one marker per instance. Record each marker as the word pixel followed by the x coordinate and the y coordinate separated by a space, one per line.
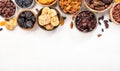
pixel 116 1
pixel 2 23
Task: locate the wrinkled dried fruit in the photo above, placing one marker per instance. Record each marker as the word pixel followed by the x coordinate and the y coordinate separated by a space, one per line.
pixel 85 21
pixel 24 3
pixel 26 20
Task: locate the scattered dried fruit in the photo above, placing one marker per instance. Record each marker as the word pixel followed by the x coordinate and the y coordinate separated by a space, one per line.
pixel 71 25
pixel 101 18
pixel 99 23
pixel 99 35
pixel 102 30
pixel 106 24
pixel 62 21
pixel 110 20
pixel 1 29
pixel 99 4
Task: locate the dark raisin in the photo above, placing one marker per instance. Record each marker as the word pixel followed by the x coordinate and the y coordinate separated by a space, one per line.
pixel 99 23
pixel 99 35
pixel 106 24
pixel 110 20
pixel 102 30
pixel 1 29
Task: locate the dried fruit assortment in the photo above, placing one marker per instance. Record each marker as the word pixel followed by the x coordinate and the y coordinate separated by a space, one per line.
pixel 48 18
pixel 85 21
pixel 46 2
pixel 70 6
pixel 10 24
pixel 7 8
pixel 116 13
pixel 26 20
pixel 24 3
pixel 99 4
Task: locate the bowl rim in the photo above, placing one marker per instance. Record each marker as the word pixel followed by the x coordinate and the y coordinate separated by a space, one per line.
pixel 39 13
pixel 69 13
pixel 111 11
pixel 88 31
pixel 19 15
pixel 33 2
pixel 54 2
pixel 93 10
pixel 16 9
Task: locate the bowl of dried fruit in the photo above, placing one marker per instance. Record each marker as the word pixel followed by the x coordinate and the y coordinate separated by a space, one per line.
pixel 70 6
pixel 8 9
pixel 26 19
pixel 25 3
pixel 48 18
pixel 85 21
pixel 115 13
pixel 46 2
pixel 98 5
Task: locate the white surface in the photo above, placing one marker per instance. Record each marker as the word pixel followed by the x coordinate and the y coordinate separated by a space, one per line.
pixel 64 49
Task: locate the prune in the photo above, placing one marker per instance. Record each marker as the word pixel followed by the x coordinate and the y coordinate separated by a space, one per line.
pixel 26 19
pixel 24 3
pixel 85 21
pixel 29 24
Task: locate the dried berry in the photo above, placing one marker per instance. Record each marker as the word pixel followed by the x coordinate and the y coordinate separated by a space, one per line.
pixel 110 20
pixel 99 23
pixel 102 30
pixel 71 25
pixel 106 24
pixel 99 35
pixel 1 29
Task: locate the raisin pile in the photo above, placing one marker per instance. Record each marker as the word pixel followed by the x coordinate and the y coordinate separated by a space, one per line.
pixel 85 21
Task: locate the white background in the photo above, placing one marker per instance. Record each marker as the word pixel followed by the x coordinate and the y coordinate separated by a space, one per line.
pixel 63 49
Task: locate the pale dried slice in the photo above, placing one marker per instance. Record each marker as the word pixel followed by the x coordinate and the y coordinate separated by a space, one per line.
pixel 53 12
pixel 55 21
pixel 44 20
pixel 49 27
pixel 46 10
pixel 9 26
